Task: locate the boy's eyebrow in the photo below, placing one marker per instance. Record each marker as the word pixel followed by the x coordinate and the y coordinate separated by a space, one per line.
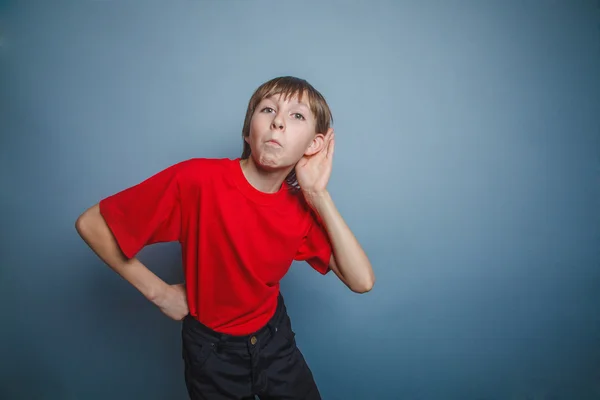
pixel 303 104
pixel 300 103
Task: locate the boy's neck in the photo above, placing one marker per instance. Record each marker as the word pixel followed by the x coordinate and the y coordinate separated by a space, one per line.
pixel 261 179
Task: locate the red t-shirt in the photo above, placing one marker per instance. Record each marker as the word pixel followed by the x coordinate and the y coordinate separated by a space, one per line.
pixel 236 241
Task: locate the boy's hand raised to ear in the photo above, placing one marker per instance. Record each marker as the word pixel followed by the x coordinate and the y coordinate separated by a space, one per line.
pixel 348 259
pixel 313 172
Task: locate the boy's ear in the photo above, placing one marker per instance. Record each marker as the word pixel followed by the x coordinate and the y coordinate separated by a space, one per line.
pixel 316 145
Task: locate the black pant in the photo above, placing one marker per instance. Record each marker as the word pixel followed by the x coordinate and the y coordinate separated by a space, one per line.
pixel 267 363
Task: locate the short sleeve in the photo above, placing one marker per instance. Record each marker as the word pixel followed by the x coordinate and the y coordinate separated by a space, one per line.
pixel 147 213
pixel 316 247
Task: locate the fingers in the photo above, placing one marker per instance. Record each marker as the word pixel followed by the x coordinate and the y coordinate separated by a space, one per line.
pixel 328 138
pixel 329 135
pixel 330 147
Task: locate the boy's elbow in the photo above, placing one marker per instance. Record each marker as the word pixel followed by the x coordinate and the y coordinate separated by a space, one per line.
pixel 84 222
pixel 81 224
pixel 364 287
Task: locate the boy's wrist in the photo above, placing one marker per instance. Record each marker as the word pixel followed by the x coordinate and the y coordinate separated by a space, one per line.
pixel 317 199
pixel 160 294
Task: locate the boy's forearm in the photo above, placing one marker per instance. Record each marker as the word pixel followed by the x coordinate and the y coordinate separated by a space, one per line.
pixel 93 229
pixel 350 258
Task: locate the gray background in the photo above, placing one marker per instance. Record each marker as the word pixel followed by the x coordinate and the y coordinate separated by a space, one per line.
pixel 467 163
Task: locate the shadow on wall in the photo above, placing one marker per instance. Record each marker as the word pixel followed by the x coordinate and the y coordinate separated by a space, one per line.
pixel 133 333
pixel 33 377
pixel 100 337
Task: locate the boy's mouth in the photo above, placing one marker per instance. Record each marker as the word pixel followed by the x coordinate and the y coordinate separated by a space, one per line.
pixel 274 142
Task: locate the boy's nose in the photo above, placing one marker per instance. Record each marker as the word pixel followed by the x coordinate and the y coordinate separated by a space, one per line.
pixel 277 123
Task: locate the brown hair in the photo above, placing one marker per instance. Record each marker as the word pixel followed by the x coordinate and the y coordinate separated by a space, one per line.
pixel 288 86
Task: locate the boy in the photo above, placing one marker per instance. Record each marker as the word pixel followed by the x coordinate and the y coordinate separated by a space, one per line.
pixel 240 224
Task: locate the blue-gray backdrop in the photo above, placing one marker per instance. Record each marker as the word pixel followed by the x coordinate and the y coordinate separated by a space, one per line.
pixel 467 162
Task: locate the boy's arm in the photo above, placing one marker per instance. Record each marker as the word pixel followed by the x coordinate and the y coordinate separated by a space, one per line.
pixel 94 230
pixel 348 261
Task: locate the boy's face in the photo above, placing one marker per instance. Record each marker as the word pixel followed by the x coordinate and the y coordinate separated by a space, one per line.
pixel 282 131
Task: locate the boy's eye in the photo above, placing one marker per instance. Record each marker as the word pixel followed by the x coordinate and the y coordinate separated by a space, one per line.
pixel 267 109
pixel 298 116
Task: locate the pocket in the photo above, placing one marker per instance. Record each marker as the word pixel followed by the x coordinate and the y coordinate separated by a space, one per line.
pixel 288 332
pixel 196 356
pixel 195 350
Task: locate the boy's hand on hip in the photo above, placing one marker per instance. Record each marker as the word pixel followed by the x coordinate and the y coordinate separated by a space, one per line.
pixel 313 172
pixel 173 302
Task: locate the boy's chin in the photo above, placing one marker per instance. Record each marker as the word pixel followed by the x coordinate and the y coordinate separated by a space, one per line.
pixel 272 164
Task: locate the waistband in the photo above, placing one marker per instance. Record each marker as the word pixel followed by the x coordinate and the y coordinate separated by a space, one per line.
pixel 239 340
